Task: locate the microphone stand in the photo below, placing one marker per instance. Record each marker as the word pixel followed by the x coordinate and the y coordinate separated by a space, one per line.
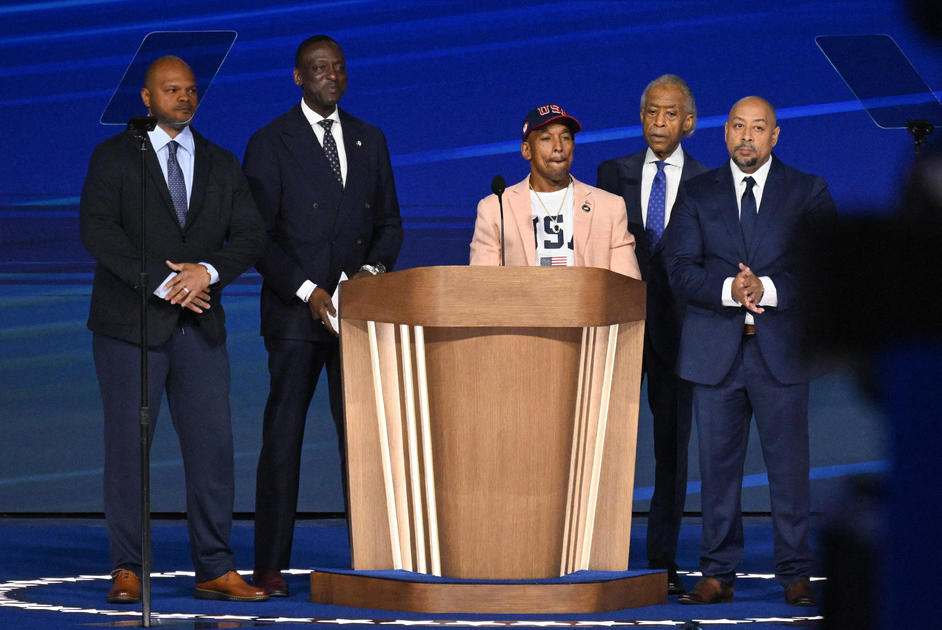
pixel 920 130
pixel 140 125
pixel 498 185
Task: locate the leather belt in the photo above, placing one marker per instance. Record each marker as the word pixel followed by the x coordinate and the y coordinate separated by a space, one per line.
pixel 748 329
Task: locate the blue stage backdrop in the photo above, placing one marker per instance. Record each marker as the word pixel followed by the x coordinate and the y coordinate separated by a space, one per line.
pixel 449 83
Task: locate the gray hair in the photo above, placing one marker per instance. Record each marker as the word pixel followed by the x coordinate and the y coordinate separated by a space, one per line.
pixel 673 79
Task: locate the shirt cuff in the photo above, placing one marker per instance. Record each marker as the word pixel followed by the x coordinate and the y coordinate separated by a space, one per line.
pixel 213 274
pixel 769 294
pixel 305 291
pixel 727 296
pixel 160 291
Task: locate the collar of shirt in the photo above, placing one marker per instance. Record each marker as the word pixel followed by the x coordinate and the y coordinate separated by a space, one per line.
pixel 760 176
pixel 185 158
pixel 159 139
pixel 672 173
pixel 313 118
pixel 674 159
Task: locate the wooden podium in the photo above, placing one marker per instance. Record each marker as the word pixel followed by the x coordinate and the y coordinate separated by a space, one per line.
pixel 491 423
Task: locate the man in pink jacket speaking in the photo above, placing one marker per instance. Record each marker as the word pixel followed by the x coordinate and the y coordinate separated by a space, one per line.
pixel 551 218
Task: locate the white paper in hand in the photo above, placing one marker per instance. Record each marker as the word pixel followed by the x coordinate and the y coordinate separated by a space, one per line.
pixel 335 300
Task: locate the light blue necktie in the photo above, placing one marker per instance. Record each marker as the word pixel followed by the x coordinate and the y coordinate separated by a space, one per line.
pixel 175 183
pixel 657 204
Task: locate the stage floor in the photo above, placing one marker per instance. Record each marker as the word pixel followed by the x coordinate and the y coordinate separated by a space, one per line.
pixel 54 574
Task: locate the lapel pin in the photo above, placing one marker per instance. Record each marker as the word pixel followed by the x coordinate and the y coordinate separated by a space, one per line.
pixel 359 144
pixel 586 207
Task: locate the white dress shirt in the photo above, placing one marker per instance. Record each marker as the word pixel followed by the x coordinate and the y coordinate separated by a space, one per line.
pixel 159 139
pixel 672 171
pixel 335 130
pixel 307 287
pixel 186 158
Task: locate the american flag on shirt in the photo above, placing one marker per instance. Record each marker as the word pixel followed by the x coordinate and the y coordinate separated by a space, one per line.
pixel 553 261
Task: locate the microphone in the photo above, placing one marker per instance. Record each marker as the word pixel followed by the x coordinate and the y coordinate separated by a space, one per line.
pixel 498 185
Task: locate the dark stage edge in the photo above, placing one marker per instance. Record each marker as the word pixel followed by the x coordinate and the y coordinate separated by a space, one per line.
pixel 413 592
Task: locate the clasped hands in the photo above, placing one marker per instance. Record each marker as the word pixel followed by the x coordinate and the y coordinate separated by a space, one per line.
pixel 747 289
pixel 190 287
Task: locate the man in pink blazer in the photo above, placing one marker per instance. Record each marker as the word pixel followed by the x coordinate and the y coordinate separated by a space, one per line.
pixel 550 218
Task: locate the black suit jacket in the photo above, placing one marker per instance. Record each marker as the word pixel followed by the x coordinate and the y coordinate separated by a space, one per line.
pixel 317 228
pixel 223 228
pixel 622 176
pixel 704 246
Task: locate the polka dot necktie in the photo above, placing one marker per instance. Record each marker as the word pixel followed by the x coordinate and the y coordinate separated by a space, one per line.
pixel 330 148
pixel 748 212
pixel 657 204
pixel 175 182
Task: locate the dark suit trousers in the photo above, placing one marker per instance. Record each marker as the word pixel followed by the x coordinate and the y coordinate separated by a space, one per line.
pixel 669 399
pixel 195 376
pixel 723 415
pixel 294 367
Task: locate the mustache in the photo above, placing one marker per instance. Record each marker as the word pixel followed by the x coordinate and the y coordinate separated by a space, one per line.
pixel 746 145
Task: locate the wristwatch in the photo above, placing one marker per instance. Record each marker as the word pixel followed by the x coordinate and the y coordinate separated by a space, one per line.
pixel 374 268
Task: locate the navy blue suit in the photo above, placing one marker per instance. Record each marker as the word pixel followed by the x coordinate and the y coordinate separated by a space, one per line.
pixel 187 356
pixel 668 395
pixel 734 375
pixel 317 229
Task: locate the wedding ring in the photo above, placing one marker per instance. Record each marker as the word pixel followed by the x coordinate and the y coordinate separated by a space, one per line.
pixel 185 290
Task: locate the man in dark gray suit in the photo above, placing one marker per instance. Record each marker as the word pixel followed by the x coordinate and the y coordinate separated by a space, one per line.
pixel 324 184
pixel 202 230
pixel 649 181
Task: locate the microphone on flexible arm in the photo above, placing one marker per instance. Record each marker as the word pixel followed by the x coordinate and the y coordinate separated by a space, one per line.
pixel 498 185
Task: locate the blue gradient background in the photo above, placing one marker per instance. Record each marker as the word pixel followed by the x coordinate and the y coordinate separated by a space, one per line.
pixel 449 83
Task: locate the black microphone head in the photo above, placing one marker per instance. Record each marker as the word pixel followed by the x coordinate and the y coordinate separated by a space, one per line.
pixel 498 185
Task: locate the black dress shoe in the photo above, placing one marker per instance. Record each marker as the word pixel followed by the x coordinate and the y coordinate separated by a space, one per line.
pixel 799 593
pixel 675 586
pixel 707 590
pixel 270 580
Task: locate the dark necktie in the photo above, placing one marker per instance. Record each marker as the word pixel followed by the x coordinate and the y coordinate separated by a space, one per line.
pixel 175 183
pixel 657 204
pixel 748 213
pixel 330 148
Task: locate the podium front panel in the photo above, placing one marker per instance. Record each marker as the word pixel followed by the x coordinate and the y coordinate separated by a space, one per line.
pixel 492 452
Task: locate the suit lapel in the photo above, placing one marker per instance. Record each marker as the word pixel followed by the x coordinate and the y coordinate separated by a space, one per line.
pixel 300 140
pixel 772 201
pixel 634 168
pixel 201 170
pixel 355 148
pixel 581 219
pixel 517 209
pixel 156 177
pixel 729 209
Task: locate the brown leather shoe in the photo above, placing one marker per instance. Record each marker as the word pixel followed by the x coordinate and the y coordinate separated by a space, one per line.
pixel 271 581
pixel 230 587
pixel 125 587
pixel 707 590
pixel 799 593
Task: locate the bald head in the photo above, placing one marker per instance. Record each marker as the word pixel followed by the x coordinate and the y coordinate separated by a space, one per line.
pixel 756 101
pixel 169 93
pixel 751 133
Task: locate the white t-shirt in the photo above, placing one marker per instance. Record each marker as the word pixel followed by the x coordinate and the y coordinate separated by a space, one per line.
pixel 552 214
